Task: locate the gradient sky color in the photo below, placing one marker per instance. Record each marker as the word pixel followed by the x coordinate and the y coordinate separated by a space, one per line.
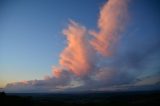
pixel 31 36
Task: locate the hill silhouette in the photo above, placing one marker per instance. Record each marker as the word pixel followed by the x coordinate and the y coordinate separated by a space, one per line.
pixel 81 99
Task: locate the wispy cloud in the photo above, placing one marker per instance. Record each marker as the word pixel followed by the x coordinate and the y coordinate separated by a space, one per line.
pixel 111 23
pixel 88 61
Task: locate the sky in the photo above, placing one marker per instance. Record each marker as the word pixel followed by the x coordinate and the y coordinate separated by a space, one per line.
pixel 79 45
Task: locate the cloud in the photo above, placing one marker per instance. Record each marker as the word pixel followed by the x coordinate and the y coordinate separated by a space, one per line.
pixel 112 19
pixel 48 84
pixel 57 72
pixel 149 80
pixel 79 61
pixel 77 57
pixel 89 60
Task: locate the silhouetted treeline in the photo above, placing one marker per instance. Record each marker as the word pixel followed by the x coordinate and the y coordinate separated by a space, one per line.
pixel 82 99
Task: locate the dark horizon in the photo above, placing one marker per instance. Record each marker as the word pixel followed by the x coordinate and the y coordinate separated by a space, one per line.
pixel 83 99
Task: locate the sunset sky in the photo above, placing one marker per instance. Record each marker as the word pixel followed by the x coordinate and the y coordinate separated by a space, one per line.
pixel 78 45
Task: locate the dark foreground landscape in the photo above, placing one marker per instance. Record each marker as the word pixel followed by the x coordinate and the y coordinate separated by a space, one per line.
pixel 81 99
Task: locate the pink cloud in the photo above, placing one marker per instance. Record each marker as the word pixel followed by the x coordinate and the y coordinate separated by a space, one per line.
pixel 77 56
pixel 113 16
